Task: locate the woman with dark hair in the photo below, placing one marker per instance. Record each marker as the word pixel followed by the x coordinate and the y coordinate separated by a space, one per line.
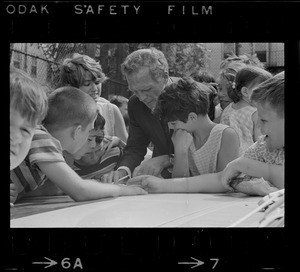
pixel 85 73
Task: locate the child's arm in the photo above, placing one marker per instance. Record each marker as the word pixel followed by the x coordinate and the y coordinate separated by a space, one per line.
pixel 229 149
pixel 13 192
pixel 256 126
pixel 82 190
pixel 114 141
pixel 207 183
pixel 153 166
pixel 270 172
pixel 181 164
pixel 181 140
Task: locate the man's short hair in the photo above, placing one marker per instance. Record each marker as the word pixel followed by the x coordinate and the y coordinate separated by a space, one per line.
pixel 149 57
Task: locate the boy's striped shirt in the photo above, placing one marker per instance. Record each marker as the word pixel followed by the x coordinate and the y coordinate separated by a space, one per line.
pixel 108 162
pixel 44 148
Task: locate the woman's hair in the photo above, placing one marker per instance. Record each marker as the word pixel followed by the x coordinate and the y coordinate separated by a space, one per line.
pixel 149 57
pixel 207 78
pixel 68 107
pixel 73 71
pixel 247 77
pixel 232 64
pixel 27 96
pixel 229 73
pixel 182 97
pixel 271 91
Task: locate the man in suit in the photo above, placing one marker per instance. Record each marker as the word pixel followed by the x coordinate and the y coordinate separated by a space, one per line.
pixel 147 74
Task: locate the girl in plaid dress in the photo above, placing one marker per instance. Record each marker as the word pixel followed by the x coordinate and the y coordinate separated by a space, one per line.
pixel 241 114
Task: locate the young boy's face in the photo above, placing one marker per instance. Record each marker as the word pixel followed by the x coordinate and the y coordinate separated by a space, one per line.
pixel 93 144
pixel 21 133
pixel 271 125
pixel 82 137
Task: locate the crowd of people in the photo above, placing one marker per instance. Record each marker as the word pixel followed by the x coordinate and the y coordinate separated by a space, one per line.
pixel 195 134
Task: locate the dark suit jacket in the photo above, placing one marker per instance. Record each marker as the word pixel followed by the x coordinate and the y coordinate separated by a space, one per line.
pixel 144 128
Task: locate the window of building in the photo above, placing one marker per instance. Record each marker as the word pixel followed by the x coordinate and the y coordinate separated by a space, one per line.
pixel 229 49
pixel 261 51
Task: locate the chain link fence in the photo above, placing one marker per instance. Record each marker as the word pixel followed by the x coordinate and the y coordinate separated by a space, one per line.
pixel 42 60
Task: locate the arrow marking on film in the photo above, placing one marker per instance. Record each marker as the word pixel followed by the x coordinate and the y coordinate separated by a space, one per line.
pixel 197 263
pixel 50 263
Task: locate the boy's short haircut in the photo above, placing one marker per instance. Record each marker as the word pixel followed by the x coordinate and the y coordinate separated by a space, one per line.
pixel 271 91
pixel 68 107
pixel 27 96
pixel 148 57
pixel 99 122
pixel 181 98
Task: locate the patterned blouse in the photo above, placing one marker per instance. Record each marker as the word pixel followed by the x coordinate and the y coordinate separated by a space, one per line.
pixel 204 160
pixel 259 152
pixel 241 121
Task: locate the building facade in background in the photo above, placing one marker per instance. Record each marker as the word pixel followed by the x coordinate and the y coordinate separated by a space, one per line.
pixel 41 60
pixel 270 54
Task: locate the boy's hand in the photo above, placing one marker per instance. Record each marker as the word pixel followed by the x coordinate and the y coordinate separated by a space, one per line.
pixel 113 176
pixel 153 166
pixel 181 140
pixel 13 193
pixel 229 172
pixel 131 190
pixel 149 183
pixel 115 141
